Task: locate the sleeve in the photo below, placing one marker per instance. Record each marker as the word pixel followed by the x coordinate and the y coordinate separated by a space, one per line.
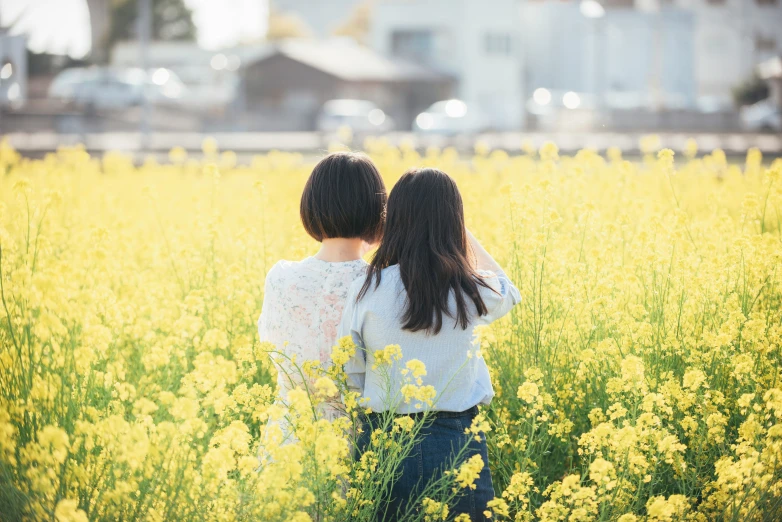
pixel 355 368
pixel 501 297
pixel 269 327
pixel 268 306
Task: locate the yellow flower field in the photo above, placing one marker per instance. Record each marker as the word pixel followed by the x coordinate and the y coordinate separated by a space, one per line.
pixel 639 380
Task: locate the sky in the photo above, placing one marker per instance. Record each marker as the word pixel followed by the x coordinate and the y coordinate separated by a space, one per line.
pixel 63 26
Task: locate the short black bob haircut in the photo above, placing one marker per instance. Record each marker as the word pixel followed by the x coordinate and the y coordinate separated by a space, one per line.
pixel 345 197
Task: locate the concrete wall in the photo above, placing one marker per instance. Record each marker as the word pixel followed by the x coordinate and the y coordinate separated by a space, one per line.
pixel 617 53
pixel 647 52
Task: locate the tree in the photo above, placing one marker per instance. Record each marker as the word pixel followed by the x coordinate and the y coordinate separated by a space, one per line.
pixel 286 25
pixel 358 25
pixel 750 91
pixel 171 20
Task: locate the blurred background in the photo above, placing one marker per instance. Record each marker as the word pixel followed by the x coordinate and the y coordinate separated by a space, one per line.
pixel 145 75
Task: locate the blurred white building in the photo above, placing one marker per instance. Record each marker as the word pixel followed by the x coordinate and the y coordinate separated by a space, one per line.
pixel 656 54
pixel 731 38
pixel 476 41
pixel 721 41
pixel 621 57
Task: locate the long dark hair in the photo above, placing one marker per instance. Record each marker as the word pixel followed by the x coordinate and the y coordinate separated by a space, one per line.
pixel 425 235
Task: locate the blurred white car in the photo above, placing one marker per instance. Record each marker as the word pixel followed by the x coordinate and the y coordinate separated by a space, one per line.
pixel 764 116
pixel 451 117
pixel 545 101
pixel 359 115
pixel 108 88
pixel 563 110
pixel 10 87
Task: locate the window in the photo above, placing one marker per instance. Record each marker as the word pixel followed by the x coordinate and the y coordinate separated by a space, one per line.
pixel 414 45
pixel 765 43
pixel 498 43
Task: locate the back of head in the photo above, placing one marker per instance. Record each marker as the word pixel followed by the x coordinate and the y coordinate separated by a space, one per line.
pixel 425 235
pixel 344 197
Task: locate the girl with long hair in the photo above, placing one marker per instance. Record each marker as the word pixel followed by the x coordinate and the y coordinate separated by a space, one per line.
pixel 428 285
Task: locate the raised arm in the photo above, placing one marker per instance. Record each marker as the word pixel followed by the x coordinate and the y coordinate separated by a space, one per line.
pixel 483 259
pixel 505 295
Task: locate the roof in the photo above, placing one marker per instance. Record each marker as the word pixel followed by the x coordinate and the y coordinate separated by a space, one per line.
pixel 185 53
pixel 771 68
pixel 349 61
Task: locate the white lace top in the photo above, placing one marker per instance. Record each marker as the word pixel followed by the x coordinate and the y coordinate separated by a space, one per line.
pixel 302 309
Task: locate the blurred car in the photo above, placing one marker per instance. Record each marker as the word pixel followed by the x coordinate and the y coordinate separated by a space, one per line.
pixel 11 94
pixel 553 110
pixel 714 104
pixel 64 84
pixel 545 101
pixel 107 92
pixel 763 116
pixel 207 89
pixel 109 88
pixel 451 117
pixel 359 115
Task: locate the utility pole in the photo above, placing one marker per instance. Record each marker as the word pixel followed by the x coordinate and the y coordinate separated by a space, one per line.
pixel 100 20
pixel 594 12
pixel 144 31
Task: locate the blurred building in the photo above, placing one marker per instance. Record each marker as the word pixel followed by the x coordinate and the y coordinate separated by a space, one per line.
pixel 621 58
pixel 13 70
pixel 660 55
pixel 477 42
pixel 731 38
pixel 287 87
pixel 691 52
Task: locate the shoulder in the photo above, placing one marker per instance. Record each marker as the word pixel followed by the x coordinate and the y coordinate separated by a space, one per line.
pixel 389 277
pixel 356 286
pixel 358 272
pixel 282 270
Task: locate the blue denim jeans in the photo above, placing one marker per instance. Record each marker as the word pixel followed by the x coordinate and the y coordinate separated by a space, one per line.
pixel 438 443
